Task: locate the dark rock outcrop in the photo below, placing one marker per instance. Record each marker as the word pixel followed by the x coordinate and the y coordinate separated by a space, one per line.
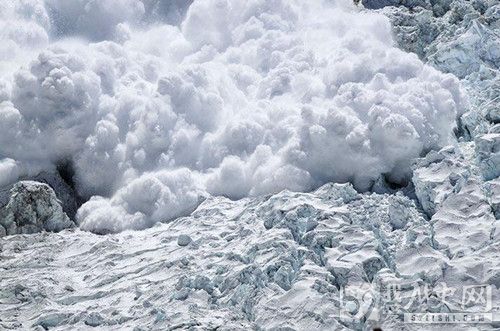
pixel 32 207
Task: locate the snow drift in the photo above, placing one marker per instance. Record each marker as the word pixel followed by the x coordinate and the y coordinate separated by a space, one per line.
pixel 157 104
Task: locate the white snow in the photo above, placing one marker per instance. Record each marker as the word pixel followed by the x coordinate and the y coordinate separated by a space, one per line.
pixel 437 176
pixel 247 261
pixel 183 119
pixel 488 153
pixel 460 37
pixel 278 261
pixel 242 98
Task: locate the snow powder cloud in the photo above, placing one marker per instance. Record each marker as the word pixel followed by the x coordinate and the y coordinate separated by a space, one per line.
pixel 158 103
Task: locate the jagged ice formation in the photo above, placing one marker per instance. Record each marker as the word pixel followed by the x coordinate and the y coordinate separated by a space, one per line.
pixel 150 111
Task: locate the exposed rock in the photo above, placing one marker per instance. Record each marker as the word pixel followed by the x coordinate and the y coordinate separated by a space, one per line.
pixel 377 4
pixel 32 207
pixel 183 240
pixel 64 192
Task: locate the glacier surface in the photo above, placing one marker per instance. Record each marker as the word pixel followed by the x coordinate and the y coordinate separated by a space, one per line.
pixel 275 262
pixel 245 108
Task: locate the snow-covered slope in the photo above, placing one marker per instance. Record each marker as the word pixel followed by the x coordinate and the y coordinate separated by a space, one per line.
pixel 461 37
pixel 284 261
pixel 278 261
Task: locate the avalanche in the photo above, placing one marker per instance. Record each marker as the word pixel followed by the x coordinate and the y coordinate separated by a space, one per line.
pixel 289 167
pixel 151 114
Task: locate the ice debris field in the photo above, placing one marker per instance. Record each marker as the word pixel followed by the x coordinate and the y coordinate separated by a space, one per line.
pixel 236 165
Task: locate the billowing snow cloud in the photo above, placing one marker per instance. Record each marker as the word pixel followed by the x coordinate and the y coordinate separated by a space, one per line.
pixel 158 103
